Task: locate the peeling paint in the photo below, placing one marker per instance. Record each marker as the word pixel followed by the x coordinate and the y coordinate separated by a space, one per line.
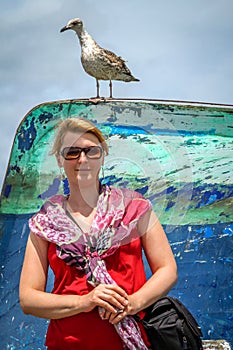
pixel 177 155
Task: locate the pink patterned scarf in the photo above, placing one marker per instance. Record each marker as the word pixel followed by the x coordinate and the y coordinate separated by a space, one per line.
pixel 114 224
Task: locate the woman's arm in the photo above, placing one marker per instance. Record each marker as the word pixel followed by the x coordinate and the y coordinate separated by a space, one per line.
pixel 35 301
pixel 164 271
pixel 162 264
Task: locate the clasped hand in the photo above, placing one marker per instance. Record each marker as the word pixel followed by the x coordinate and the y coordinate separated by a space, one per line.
pixel 112 301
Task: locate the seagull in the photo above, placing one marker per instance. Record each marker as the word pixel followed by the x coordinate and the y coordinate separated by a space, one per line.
pixel 100 63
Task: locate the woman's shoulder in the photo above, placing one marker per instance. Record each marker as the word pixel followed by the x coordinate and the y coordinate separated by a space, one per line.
pixel 57 199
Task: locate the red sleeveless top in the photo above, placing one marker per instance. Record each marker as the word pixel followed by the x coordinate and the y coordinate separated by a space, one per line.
pixel 87 331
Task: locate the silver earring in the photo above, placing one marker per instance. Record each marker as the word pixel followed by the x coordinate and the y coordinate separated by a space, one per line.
pixel 64 182
pixel 102 172
pixel 62 174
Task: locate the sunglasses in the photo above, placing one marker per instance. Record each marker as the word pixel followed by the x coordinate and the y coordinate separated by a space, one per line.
pixel 92 152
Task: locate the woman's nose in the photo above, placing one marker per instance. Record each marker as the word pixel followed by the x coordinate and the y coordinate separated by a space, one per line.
pixel 82 157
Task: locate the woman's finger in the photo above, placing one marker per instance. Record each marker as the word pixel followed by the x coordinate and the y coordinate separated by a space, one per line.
pixel 115 318
pixel 111 296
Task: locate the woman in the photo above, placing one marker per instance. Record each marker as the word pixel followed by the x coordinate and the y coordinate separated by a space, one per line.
pixel 93 239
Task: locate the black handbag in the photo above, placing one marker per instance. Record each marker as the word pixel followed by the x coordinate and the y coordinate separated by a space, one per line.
pixel 170 326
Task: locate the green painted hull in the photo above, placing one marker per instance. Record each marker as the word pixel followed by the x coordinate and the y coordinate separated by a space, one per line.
pixel 179 155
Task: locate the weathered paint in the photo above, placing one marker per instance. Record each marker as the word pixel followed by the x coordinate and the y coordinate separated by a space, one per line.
pixel 178 155
pixel 216 345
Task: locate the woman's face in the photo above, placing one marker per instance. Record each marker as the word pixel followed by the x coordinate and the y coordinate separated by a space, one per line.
pixel 83 170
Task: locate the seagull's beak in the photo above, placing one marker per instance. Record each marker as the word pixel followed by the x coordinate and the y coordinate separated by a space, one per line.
pixel 64 29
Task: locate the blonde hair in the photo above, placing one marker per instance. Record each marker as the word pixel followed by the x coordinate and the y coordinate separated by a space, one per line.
pixel 77 125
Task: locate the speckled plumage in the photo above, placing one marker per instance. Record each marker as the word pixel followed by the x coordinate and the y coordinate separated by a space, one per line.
pixel 100 63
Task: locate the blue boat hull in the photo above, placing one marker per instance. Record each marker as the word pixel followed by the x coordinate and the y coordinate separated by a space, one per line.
pixel 177 155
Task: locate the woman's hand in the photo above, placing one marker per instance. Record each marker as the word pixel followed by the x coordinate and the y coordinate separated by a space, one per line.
pixel 129 309
pixel 109 297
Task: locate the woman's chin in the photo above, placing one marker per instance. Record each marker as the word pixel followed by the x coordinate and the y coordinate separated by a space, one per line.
pixel 85 177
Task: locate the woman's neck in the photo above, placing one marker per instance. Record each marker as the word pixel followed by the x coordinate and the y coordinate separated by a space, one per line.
pixel 84 199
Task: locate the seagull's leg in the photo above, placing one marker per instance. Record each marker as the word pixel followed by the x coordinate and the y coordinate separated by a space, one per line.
pixel 110 85
pixel 98 88
pixel 97 98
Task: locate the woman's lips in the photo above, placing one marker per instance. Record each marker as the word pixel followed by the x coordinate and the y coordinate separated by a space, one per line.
pixel 83 169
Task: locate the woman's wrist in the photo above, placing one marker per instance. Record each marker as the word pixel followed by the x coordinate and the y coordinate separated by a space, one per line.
pixel 136 304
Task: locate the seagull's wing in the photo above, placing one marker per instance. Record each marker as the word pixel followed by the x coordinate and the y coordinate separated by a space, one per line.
pixel 116 68
pixel 113 59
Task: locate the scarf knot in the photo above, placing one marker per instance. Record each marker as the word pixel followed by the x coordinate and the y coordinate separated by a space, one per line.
pixel 91 252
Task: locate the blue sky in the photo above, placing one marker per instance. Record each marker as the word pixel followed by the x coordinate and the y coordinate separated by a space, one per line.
pixel 179 50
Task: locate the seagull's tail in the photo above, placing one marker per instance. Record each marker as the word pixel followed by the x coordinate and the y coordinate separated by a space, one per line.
pixel 128 78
